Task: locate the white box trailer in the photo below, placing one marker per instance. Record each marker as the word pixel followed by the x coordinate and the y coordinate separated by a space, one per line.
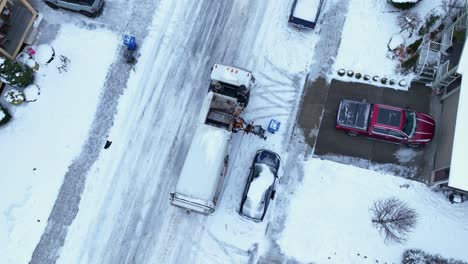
pixel 204 169
pixel 305 13
pixel 202 176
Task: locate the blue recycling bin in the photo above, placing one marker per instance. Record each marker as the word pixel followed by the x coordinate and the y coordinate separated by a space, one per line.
pixel 130 42
pixel 274 126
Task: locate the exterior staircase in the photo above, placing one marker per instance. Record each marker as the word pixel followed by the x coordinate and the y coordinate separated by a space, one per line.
pixel 430 68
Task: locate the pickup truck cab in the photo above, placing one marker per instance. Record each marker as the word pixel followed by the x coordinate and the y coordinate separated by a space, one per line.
pixel 383 122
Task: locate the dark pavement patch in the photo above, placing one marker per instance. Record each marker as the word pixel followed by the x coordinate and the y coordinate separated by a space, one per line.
pixel 318 110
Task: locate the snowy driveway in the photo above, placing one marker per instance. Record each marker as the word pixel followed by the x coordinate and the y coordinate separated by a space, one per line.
pixel 124 214
pixel 333 143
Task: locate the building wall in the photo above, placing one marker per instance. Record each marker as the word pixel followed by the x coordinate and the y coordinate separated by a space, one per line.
pixel 446 131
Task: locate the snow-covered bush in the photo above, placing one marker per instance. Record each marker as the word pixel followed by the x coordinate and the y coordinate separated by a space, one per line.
pixel 403 4
pixel 429 23
pixel 15 73
pixel 413 47
pixel 4 115
pixel 31 93
pixel 14 96
pixel 417 256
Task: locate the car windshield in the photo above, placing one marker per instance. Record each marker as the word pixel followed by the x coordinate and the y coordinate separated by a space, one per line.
pixel 410 123
pixel 268 158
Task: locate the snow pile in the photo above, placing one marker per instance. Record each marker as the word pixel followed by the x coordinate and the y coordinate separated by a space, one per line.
pixel 44 54
pixel 329 219
pixel 31 92
pixel 396 41
pixel 38 145
pixel 405 155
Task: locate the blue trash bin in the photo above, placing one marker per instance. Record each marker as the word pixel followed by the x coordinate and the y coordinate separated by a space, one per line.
pixel 274 126
pixel 130 42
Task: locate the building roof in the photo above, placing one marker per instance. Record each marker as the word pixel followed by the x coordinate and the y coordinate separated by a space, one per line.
pixel 458 175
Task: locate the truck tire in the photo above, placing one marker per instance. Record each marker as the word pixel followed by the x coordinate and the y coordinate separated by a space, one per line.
pixel 88 14
pixel 352 134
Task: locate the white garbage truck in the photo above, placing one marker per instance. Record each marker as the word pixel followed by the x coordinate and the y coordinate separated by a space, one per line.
pixel 201 179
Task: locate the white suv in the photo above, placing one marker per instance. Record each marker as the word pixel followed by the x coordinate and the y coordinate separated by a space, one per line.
pixel 90 8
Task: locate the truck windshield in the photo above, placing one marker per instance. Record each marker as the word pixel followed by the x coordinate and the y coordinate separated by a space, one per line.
pixel 410 123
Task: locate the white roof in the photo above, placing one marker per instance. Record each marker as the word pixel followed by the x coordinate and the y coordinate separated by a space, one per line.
pixel 204 163
pixel 231 75
pixel 306 9
pixel 458 175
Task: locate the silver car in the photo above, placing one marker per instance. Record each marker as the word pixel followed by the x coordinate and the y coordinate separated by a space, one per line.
pixel 90 8
pixel 260 186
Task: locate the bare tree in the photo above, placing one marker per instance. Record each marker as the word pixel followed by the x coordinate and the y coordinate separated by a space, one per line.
pixel 451 7
pixel 394 219
pixel 409 21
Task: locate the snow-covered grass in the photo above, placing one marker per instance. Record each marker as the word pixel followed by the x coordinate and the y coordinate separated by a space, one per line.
pixel 368 28
pixel 44 136
pixel 329 219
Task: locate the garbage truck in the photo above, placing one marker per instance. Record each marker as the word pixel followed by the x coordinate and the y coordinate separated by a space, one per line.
pixel 201 180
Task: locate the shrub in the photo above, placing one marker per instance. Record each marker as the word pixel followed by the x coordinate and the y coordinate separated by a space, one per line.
pixel 417 256
pixel 413 47
pixel 410 63
pixel 16 74
pixel 4 116
pixel 401 4
pixel 428 24
pixel 459 34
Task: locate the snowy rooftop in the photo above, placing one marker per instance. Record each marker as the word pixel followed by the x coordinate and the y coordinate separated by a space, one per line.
pixel 458 177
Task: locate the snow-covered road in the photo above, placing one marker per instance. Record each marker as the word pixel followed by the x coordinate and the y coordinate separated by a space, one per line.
pixel 124 215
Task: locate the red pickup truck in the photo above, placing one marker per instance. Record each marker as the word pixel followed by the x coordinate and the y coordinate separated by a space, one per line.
pixel 384 122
